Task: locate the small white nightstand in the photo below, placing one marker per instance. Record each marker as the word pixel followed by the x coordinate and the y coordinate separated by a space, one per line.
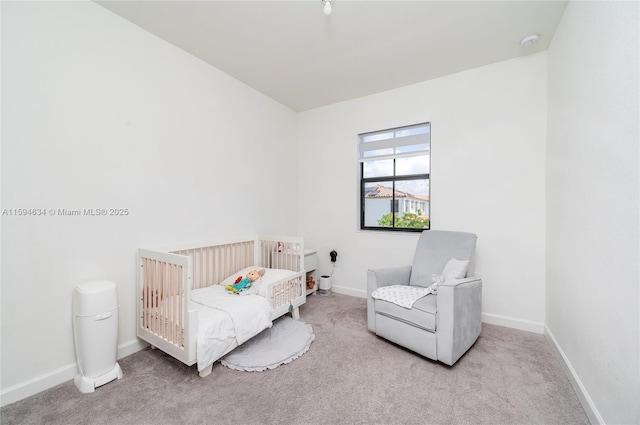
pixel 311 267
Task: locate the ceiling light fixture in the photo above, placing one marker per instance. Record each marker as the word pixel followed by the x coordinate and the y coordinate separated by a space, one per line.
pixel 327 7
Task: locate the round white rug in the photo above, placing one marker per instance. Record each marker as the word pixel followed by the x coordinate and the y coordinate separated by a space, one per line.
pixel 282 343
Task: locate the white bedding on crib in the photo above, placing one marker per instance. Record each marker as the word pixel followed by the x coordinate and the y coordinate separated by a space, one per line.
pixel 227 320
pixel 216 336
pixel 250 314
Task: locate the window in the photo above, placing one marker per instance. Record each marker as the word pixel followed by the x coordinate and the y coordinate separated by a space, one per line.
pixel 394 178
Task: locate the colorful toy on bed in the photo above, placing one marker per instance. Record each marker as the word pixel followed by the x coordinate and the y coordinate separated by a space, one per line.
pixel 242 284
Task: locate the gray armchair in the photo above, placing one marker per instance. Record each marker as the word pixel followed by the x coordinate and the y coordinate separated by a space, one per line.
pixel 441 326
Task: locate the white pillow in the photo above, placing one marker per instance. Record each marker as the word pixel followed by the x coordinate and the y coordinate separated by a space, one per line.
pixel 455 269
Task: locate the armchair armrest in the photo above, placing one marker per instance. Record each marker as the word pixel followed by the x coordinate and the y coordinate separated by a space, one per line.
pixel 377 278
pixel 459 318
pixel 458 282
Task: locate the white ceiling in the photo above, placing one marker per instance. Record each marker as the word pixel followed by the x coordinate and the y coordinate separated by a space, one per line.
pixel 293 53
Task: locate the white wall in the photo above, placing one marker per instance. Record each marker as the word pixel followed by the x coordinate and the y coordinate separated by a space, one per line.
pixel 488 165
pixel 593 265
pixel 98 113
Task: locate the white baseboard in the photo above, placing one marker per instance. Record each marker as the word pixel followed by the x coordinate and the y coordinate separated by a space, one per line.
pixel 128 348
pixel 587 403
pixel 59 376
pixel 511 322
pixel 37 384
pixel 349 291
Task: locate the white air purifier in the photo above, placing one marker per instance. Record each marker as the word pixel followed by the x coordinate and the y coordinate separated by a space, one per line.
pixel 325 285
pixel 95 334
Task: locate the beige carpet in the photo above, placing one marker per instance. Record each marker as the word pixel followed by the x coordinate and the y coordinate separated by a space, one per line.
pixel 348 376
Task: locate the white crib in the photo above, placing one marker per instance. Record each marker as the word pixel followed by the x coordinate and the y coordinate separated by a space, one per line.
pixel 166 317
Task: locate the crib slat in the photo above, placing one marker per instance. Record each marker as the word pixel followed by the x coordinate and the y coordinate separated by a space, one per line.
pixel 171 300
pixel 145 291
pixel 178 317
pixel 152 288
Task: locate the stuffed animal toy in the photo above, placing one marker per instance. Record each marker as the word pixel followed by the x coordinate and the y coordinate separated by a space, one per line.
pixel 246 282
pixel 310 282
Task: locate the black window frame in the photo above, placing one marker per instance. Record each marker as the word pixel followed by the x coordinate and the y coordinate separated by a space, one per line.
pixel 394 178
